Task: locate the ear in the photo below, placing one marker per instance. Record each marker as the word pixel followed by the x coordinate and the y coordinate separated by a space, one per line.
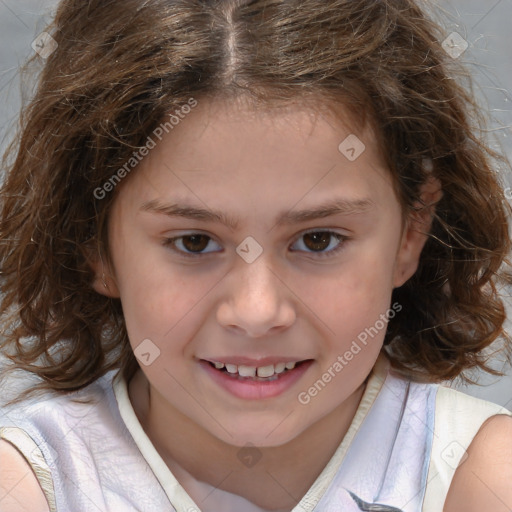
pixel 415 233
pixel 104 280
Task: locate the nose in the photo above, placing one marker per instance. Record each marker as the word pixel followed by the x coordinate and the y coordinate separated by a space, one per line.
pixel 258 301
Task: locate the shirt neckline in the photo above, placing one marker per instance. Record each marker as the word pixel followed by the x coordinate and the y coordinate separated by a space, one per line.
pixel 178 496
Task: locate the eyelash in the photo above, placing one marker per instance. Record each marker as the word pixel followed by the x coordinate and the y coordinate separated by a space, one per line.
pixel 170 242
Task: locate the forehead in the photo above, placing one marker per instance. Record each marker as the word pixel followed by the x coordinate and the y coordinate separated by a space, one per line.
pixel 298 117
pixel 222 130
pixel 232 153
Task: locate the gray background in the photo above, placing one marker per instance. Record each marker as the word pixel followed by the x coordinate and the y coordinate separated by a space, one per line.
pixel 484 24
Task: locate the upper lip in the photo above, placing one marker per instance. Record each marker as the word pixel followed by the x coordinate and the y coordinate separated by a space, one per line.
pixel 249 361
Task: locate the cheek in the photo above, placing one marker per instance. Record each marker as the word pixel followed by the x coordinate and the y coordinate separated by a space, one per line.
pixel 154 295
pixel 159 304
pixel 365 277
pixel 350 300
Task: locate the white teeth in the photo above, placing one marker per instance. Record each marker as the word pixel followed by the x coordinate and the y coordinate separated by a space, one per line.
pixel 232 368
pixel 279 367
pixel 251 371
pixel 247 371
pixel 266 371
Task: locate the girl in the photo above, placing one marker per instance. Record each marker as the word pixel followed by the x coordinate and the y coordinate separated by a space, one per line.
pixel 242 243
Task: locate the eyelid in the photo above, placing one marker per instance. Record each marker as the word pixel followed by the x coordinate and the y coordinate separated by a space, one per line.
pixel 169 242
pixel 342 240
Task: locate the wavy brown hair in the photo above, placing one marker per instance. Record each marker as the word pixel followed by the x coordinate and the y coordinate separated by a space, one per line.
pixel 122 66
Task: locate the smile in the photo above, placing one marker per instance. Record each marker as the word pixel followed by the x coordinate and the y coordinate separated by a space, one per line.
pixel 255 382
pixel 268 371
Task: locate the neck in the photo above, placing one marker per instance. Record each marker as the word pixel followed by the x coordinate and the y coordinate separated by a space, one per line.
pixel 280 478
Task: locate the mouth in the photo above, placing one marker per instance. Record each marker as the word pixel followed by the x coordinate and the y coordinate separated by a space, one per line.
pixel 247 381
pixel 265 373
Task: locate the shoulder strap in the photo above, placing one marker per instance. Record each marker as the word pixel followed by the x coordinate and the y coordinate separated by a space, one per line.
pixel 32 454
pixel 458 418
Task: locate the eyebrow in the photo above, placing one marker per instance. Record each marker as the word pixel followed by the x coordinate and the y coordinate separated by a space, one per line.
pixel 336 206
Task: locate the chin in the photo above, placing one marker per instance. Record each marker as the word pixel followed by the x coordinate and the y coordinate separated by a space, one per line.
pixel 268 433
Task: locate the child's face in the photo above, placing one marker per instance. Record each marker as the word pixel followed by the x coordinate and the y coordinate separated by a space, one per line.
pixel 298 301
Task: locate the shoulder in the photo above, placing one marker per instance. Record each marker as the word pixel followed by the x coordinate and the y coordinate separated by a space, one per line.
pixel 483 479
pixel 459 422
pixel 19 489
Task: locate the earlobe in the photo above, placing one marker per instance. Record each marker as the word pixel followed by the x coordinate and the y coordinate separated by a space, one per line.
pixel 105 285
pixel 413 241
pixel 104 282
pixel 416 231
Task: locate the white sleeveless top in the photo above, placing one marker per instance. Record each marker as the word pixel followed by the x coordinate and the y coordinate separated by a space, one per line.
pixel 399 454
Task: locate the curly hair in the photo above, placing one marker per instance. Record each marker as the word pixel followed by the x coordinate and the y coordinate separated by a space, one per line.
pixel 121 67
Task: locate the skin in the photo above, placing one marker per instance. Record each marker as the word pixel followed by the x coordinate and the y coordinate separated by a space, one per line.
pixel 289 302
pixel 482 481
pixel 19 488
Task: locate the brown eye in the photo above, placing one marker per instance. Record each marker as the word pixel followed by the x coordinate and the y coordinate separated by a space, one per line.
pixel 317 241
pixel 321 243
pixel 195 243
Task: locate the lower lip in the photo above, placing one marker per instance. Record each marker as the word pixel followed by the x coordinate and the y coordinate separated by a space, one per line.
pixel 252 389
